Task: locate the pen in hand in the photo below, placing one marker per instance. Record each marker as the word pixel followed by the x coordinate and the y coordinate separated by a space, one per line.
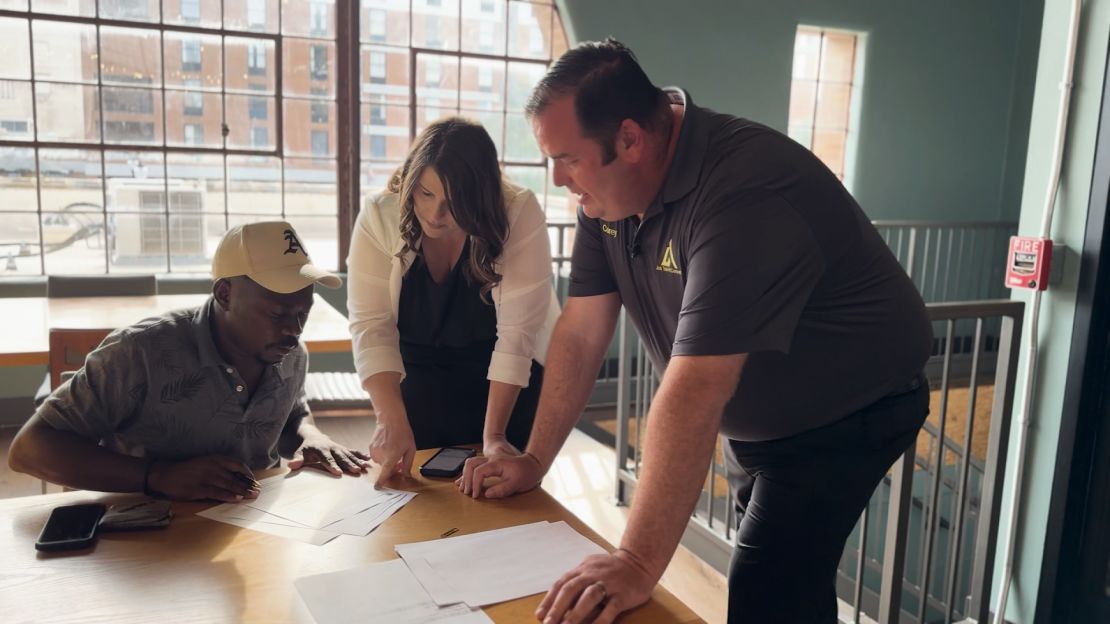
pixel 247 480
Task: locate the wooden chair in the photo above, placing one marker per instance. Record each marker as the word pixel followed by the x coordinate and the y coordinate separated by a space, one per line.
pixel 92 286
pixel 68 350
pixel 101 285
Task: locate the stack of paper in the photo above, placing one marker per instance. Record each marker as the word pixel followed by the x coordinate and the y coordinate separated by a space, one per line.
pixel 495 566
pixel 313 507
pixel 385 593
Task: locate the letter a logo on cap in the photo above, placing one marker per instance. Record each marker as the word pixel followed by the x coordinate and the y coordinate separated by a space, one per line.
pixel 294 244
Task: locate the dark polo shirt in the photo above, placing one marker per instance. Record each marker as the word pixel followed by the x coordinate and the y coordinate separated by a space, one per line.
pixel 753 246
pixel 160 389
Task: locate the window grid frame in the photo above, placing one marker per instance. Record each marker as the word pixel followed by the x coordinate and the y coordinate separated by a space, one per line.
pixel 348 163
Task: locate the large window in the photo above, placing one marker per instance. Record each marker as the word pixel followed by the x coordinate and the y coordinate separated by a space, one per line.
pixel 824 95
pixel 475 58
pixel 133 133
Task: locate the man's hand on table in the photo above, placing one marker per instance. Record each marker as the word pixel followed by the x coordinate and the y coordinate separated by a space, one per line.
pixel 324 453
pixel 202 478
pixel 598 590
pixel 515 474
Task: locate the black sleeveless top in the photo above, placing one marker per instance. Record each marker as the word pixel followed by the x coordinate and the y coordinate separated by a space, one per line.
pixel 444 322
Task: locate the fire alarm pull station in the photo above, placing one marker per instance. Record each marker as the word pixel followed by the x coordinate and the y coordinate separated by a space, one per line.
pixel 1029 262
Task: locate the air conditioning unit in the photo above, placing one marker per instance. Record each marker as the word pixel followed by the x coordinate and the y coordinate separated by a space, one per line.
pixel 143 228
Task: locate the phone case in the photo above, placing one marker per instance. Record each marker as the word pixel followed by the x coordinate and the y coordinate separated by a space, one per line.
pixel 96 511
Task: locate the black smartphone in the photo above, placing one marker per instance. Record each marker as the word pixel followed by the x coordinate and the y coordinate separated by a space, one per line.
pixel 70 527
pixel 447 462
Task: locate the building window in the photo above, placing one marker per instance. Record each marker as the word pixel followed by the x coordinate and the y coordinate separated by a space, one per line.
pixel 434 3
pixel 318 19
pixel 129 131
pixel 194 104
pixel 259 108
pixel 125 9
pixel 433 73
pixel 377 67
pixel 431 30
pixel 485 36
pixel 138 101
pixel 256 59
pixel 824 87
pixel 535 39
pixel 431 109
pixel 320 142
pixel 194 134
pixel 485 79
pixel 318 60
pixel 190 11
pixel 15 127
pixel 256 14
pixel 377 115
pixel 488 6
pixel 377 146
pixel 260 138
pixel 319 112
pixel 377 25
pixel 190 55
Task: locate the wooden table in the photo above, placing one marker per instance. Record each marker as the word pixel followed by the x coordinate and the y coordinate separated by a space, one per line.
pixel 24 334
pixel 200 570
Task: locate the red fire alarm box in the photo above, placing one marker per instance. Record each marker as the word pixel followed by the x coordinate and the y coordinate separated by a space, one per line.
pixel 1029 262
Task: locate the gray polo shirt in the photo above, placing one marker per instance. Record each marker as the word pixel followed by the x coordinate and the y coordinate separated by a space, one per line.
pixel 160 389
pixel 753 246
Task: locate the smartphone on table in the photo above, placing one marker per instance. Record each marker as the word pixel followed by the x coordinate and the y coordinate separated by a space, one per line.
pixel 447 462
pixel 70 527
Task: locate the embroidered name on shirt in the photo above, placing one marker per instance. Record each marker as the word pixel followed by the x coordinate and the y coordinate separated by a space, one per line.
pixel 608 230
pixel 668 263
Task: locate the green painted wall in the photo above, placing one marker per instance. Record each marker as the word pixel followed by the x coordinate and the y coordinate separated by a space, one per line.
pixel 947 85
pixel 1058 307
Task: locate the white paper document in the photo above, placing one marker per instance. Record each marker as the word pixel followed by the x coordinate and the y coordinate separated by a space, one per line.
pixel 385 593
pixel 495 566
pixel 313 507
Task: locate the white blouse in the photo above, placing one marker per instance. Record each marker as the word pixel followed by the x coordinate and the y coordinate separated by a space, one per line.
pixel 524 300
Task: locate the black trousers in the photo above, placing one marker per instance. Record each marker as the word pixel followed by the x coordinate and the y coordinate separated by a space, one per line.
pixel 446 403
pixel 799 499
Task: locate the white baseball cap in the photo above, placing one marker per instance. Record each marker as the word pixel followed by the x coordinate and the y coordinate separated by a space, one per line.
pixel 271 254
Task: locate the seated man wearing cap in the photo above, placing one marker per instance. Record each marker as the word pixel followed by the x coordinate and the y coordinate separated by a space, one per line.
pixel 186 404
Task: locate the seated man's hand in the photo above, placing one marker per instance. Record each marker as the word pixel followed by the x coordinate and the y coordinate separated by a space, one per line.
pixel 201 478
pixel 327 455
pixel 516 474
pixel 598 590
pixel 393 448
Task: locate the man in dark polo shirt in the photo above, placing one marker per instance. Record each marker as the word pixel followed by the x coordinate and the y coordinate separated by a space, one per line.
pixel 775 312
pixel 185 405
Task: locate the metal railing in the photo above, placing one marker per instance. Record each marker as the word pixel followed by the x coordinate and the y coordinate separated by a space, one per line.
pixel 951 261
pixel 947 261
pixel 929 557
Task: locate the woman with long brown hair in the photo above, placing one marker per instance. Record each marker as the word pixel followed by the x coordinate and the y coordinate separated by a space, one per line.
pixel 450 300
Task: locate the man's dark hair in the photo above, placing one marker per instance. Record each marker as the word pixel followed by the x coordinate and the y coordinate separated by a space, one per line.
pixel 608 86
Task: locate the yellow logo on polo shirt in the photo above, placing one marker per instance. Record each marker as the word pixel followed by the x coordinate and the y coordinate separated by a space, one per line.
pixel 668 263
pixel 608 230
